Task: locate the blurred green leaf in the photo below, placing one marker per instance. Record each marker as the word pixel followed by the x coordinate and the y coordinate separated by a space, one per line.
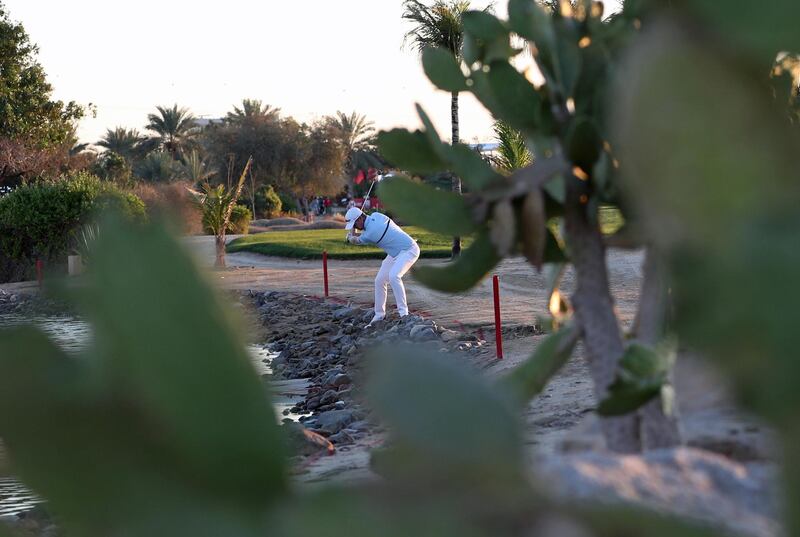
pixel 443 70
pixel 642 374
pixel 411 151
pixel 765 28
pixel 470 166
pixel 568 56
pixel 719 164
pixel 461 159
pixel 369 512
pixel 517 101
pixel 423 205
pixel 105 465
pixel 182 361
pixel 528 379
pixel 528 19
pixel 484 26
pixel 584 143
pixel 463 273
pixel 533 228
pixel 455 418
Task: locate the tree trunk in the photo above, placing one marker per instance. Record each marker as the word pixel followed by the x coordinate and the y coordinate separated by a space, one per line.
pixel 659 430
pixel 455 180
pixel 220 244
pixel 594 311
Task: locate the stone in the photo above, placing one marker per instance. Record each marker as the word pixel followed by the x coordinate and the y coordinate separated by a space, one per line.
pixel 450 335
pixel 685 482
pixel 343 313
pixel 333 421
pixel 341 437
pixel 341 380
pixel 422 333
pixel 329 397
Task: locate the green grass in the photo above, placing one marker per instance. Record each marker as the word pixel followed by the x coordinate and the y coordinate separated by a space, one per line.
pixel 309 244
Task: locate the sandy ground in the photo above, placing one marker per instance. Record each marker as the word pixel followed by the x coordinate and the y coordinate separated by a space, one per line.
pixel 558 420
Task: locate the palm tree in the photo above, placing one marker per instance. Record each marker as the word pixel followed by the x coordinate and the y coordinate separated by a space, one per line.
pixel 253 109
pixel 440 25
pixel 354 129
pixel 159 167
pixel 195 169
pixel 175 129
pixel 217 203
pixel 121 141
pixel 357 136
pixel 512 153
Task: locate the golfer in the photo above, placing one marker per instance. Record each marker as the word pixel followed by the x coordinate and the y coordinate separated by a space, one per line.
pixel 402 252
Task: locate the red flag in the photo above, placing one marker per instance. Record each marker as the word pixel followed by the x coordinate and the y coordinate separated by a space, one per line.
pixel 372 174
pixel 360 177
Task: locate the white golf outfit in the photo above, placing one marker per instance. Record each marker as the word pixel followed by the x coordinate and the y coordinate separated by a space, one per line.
pixel 402 252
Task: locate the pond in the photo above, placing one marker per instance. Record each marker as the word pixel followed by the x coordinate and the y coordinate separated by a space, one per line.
pixel 73 335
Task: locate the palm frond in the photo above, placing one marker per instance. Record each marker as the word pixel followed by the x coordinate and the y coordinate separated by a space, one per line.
pixel 512 153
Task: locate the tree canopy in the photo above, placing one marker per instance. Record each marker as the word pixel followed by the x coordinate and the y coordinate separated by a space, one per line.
pixel 27 110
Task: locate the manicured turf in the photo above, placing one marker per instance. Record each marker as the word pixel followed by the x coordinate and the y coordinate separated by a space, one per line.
pixel 310 244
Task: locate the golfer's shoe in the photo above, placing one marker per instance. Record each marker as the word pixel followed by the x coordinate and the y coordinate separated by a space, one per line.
pixel 374 320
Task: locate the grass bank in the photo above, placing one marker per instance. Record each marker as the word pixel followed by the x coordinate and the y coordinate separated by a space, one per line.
pixel 309 244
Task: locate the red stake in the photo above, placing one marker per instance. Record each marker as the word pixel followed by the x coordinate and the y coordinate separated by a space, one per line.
pixel 498 327
pixel 325 270
pixel 39 272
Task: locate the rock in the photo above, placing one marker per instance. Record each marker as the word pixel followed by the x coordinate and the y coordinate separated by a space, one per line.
pixel 367 317
pixel 333 421
pixel 343 313
pixel 329 397
pixel 304 442
pixel 339 405
pixel 685 482
pixel 422 333
pixel 341 380
pixel 341 438
pixel 450 335
pixel 359 426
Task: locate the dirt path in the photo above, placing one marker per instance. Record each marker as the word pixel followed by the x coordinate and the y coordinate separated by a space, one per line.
pixel 522 289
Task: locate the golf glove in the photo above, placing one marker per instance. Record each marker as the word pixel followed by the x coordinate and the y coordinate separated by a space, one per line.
pixel 353 239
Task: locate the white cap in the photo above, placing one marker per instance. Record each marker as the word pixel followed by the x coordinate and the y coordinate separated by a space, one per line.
pixel 352 215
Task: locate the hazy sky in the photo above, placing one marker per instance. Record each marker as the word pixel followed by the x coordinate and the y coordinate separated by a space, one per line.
pixel 308 57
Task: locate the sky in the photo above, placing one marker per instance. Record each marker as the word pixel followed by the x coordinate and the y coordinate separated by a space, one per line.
pixel 308 57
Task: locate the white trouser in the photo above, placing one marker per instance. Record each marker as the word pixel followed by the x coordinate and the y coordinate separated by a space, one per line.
pixel 391 273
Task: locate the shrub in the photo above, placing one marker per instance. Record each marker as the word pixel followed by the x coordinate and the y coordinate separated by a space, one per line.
pixel 38 220
pixel 240 220
pixel 288 203
pixel 174 202
pixel 268 203
pixel 241 217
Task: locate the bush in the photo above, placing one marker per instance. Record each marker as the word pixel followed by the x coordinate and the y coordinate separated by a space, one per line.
pixel 240 220
pixel 38 220
pixel 174 202
pixel 288 203
pixel 268 203
pixel 241 217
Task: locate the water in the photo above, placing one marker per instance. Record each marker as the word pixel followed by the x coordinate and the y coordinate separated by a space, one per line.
pixel 73 335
